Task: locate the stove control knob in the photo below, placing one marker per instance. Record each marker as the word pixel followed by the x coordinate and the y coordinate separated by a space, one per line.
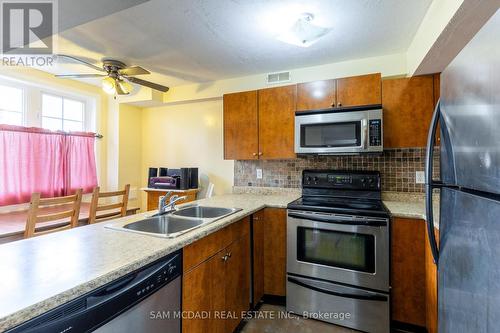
pixel 308 179
pixel 370 180
pixel 315 179
pixel 363 180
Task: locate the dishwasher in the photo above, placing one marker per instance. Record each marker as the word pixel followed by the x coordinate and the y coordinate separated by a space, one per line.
pixel 147 300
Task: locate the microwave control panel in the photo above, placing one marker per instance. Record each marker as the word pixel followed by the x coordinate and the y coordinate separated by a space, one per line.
pixel 375 130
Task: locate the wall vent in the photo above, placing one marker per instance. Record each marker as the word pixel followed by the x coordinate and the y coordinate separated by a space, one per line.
pixel 273 78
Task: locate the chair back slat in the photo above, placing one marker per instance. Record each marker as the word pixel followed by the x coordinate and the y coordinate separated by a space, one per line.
pixel 37 209
pixel 111 194
pixel 55 216
pixel 110 206
pixel 121 205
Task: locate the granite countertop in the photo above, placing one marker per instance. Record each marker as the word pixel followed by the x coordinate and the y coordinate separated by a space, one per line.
pixel 410 205
pixel 41 273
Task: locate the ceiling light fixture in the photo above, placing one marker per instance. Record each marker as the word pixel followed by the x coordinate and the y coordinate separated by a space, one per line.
pixel 303 32
pixel 109 85
pixel 112 85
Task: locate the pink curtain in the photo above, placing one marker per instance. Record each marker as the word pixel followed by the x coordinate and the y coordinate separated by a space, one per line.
pixel 81 168
pixel 38 160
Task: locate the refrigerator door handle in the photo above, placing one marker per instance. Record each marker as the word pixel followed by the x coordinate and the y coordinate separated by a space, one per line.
pixel 430 183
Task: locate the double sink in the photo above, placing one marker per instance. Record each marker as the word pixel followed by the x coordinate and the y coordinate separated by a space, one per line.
pixel 178 222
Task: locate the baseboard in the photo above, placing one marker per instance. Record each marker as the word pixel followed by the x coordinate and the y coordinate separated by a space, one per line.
pixel 274 300
pixel 400 327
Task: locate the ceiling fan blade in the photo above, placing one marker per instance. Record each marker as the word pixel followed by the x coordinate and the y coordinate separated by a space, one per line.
pixel 133 70
pixel 151 85
pixel 79 75
pixel 88 64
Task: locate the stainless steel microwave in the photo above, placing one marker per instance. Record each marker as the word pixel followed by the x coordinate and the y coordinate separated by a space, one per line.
pixel 352 130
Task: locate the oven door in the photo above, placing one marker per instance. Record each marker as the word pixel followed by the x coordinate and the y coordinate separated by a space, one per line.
pixel 340 248
pixel 337 132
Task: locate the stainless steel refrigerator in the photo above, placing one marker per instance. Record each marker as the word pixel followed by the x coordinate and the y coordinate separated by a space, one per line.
pixel 468 117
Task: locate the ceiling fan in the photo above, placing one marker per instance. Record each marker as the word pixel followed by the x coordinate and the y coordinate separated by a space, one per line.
pixel 116 76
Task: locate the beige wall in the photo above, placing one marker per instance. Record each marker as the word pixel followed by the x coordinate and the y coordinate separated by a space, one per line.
pixel 129 152
pixel 187 135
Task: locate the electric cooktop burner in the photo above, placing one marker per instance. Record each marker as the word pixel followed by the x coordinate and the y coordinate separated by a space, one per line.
pixel 343 192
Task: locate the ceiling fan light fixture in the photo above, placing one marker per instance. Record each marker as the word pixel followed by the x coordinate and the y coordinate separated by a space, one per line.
pixel 109 85
pixel 125 86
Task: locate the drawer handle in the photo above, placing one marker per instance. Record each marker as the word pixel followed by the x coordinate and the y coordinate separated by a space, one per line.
pixel 339 294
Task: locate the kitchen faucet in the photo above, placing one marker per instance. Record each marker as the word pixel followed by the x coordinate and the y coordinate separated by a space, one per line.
pixel 163 207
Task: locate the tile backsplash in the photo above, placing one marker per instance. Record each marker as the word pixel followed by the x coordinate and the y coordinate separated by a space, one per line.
pixel 397 168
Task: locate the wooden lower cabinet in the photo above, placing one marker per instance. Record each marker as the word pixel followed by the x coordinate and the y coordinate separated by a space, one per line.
pixel 219 285
pixel 237 281
pixel 258 256
pixel 269 253
pixel 275 251
pixel 413 275
pixel 431 287
pixel 203 292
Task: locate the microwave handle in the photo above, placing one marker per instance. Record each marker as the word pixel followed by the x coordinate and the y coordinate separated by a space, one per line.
pixel 364 133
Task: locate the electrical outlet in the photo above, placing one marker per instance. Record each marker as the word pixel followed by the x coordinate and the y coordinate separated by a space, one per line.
pixel 259 173
pixel 419 177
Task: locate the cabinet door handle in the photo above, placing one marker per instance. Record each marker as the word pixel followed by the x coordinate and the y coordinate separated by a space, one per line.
pixel 229 255
pixel 333 104
pixel 339 104
pixel 254 154
pixel 260 153
pixel 224 258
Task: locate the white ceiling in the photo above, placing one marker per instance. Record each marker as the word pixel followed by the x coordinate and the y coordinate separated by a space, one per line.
pixel 184 41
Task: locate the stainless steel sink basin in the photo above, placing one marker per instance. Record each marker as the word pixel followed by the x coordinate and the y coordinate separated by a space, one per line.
pixel 204 212
pixel 176 223
pixel 165 224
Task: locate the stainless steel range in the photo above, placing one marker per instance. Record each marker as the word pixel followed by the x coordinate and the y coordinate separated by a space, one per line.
pixel 338 250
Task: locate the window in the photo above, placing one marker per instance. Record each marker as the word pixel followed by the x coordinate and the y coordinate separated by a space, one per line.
pixel 11 105
pixel 61 113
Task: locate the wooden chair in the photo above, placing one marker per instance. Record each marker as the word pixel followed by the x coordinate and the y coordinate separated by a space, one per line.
pixel 121 206
pixel 39 213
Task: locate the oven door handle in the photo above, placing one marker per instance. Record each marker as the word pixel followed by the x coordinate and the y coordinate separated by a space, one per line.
pixel 339 294
pixel 336 221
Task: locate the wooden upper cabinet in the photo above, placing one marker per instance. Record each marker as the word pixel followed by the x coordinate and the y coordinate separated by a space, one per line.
pixel 359 90
pixel 276 122
pixel 408 107
pixel 241 126
pixel 316 95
